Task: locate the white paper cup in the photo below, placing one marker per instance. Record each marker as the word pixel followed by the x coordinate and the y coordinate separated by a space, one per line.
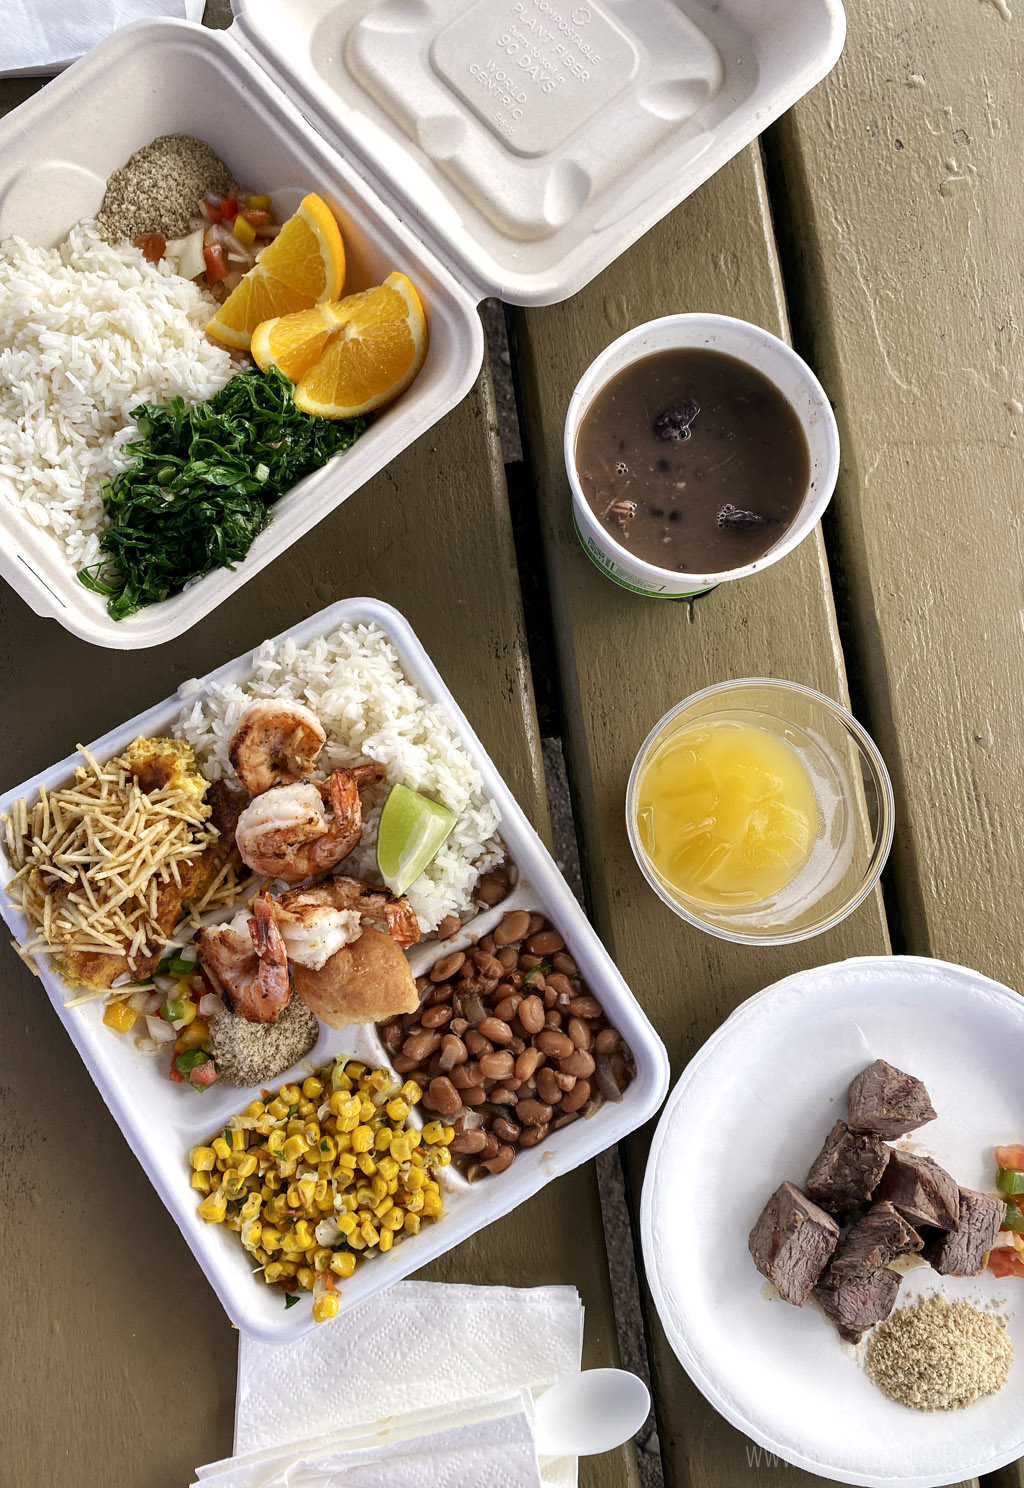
pixel 771 357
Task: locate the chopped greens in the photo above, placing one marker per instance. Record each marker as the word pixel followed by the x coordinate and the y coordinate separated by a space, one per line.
pixel 201 485
pixel 290 1300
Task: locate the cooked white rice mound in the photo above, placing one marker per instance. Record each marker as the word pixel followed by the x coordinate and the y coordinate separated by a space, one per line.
pixel 354 683
pixel 88 333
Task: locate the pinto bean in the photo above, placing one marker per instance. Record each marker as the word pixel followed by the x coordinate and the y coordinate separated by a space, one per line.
pixel 500 1095
pixel 487 944
pixel 579 1062
pixel 474 1096
pixel 531 1014
pixel 508 1007
pixel 436 1017
pixel 566 1120
pixel 548 1088
pixel 492 888
pixel 442 1096
pixel 442 970
pixel 458 1026
pixel 533 1135
pixel 580 1033
pixel 562 985
pixel 488 966
pixel 421 1045
pixel 557 1045
pixel 544 943
pixel 504 1159
pixel 490 1147
pixel 607 1041
pixel 448 927
pixel 565 1082
pixel 514 926
pixel 495 1029
pixel 527 1062
pixel 453 1052
pixel 534 1112
pixel 463 1076
pixel 505 1130
pixel 576 1098
pixel 508 956
pixel 498 1065
pixel 585 1007
pixel 476 1043
pixel 469 1142
pixel 536 923
pixel 403 1065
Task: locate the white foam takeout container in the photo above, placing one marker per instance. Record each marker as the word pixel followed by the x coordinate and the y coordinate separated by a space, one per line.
pixel 485 147
pixel 161 1121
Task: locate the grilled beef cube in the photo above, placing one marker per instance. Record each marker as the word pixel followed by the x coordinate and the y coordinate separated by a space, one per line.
pixel 792 1241
pixel 884 1100
pixel 963 1252
pixel 922 1191
pixel 874 1241
pixel 847 1169
pixel 854 1305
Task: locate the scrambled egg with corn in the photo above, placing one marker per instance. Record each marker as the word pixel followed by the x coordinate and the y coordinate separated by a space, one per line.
pixel 323 1174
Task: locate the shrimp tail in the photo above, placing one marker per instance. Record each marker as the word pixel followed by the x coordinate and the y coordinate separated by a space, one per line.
pixel 272 980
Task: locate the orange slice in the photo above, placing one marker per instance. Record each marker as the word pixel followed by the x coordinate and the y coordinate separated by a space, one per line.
pixel 293 343
pixel 302 267
pixel 378 346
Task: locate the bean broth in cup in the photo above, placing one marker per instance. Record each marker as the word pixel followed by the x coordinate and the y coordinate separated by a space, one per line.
pixel 699 449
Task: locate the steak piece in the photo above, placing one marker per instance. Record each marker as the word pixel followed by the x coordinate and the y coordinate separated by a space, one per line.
pixel 792 1241
pixel 856 1305
pixel 883 1099
pixel 847 1169
pixel 963 1252
pixel 874 1241
pixel 922 1191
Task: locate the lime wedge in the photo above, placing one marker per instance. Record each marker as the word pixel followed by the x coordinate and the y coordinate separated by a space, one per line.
pixel 409 834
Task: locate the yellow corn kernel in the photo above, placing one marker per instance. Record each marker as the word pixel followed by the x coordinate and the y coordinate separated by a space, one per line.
pixel 387 1239
pixel 366 1164
pixel 307 1191
pixel 221 1148
pixel 346 1223
pixel 121 1016
pixel 202 1159
pixel 442 1156
pixel 382 1208
pixel 356 1241
pixel 415 1179
pixel 192 1037
pixel 347 1201
pixel 339 1079
pixel 275 1143
pixel 271 1238
pixel 411 1224
pixel 201 1181
pixel 294 1127
pixel 401 1150
pixel 289 1244
pixel 432 1205
pixel 273 1272
pixel 287 1167
pixel 312 1088
pixel 278 1109
pixel 382 1139
pixel 252 1206
pixel 306 1109
pixel 322 1258
pixel 365 1198
pixel 394 1219
pixel 290 1094
pixel 346 1157
pixel 213 1208
pixel 259 1255
pixel 239 1139
pixel 248 1165
pixel 414 1202
pixel 305 1277
pixel 252 1233
pixel 327 1149
pixel 449 1135
pixel 343 1264
pixel 392 1185
pixel 368 1230
pixel 362 1139
pixel 233 1222
pixel 311 1132
pixel 355 1069
pixel 304 1235
pixel 387 1168
pixel 380 1188
pixel 412 1092
pixel 398 1109
pixel 255 1108
pixel 326 1305
pixel 322 1192
pixel 272 1180
pixel 433 1132
pixel 233 1185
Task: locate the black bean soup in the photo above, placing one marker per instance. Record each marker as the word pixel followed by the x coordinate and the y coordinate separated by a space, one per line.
pixel 693 460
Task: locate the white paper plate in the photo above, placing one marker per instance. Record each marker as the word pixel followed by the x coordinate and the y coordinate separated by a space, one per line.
pixel 753 1108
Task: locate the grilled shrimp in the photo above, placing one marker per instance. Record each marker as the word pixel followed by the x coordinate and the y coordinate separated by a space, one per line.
pixel 275 743
pixel 249 970
pixel 286 833
pixel 316 922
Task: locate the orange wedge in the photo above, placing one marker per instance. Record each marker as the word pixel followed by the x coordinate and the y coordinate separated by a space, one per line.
pixel 349 358
pixel 302 267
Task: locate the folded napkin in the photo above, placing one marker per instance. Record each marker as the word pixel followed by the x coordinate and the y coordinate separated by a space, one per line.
pixel 424 1363
pixel 486 1442
pixel 41 36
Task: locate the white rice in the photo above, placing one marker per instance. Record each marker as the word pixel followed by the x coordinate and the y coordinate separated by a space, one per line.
pixel 354 683
pixel 88 333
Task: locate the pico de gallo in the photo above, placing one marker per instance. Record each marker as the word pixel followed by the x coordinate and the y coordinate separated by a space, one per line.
pixel 1006 1257
pixel 224 238
pixel 174 1009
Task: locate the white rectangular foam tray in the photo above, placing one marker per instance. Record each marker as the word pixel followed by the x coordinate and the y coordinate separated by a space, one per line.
pixel 161 1121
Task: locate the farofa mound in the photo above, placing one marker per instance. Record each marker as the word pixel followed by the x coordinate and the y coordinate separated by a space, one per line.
pixel 939 1355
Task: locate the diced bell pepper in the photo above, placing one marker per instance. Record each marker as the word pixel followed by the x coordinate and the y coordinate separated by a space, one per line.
pixel 244 231
pixel 1010 1181
pixel 216 263
pixel 120 1016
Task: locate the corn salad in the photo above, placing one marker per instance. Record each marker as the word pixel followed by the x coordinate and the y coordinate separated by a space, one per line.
pixel 323 1174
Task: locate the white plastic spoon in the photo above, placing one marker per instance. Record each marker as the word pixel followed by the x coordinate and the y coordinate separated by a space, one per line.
pixel 590 1412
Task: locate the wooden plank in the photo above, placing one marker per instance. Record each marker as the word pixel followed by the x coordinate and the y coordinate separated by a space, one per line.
pixel 624 660
pixel 902 213
pixel 119 1363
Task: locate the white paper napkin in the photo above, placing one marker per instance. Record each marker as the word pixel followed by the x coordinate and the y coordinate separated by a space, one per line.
pixel 42 36
pixel 420 1346
pixel 489 1442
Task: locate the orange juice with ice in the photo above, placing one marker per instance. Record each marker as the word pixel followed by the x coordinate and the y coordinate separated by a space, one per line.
pixel 727 813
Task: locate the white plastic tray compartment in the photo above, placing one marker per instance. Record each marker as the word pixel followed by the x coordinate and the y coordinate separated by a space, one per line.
pixel 161 1121
pixel 56 153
